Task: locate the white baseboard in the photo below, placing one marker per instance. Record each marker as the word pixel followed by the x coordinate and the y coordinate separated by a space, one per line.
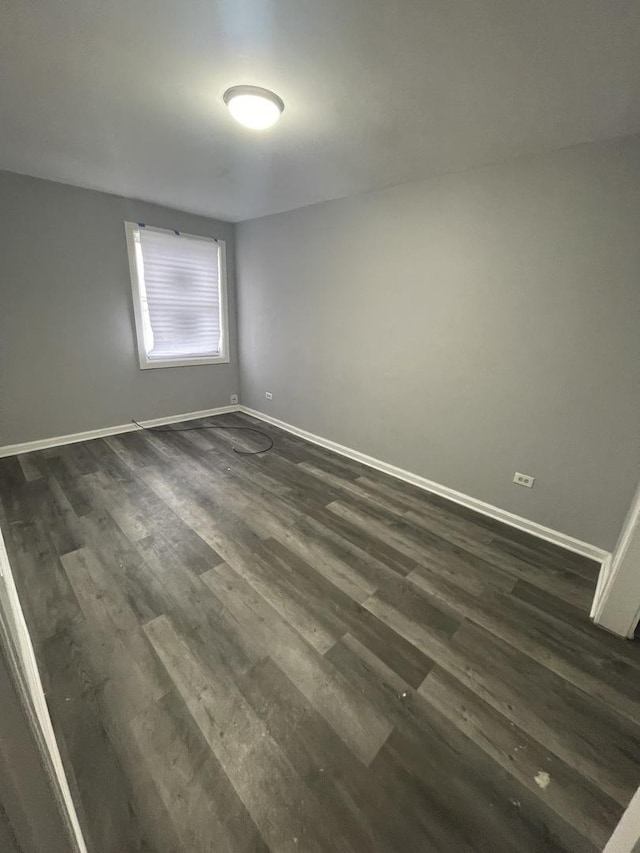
pixel 73 438
pixel 517 521
pixel 524 524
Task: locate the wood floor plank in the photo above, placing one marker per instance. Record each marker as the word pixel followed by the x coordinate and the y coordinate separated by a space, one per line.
pixel 459 532
pixel 423 636
pixel 426 504
pixel 141 514
pixel 401 704
pixel 284 810
pixel 298 481
pixel 370 674
pixel 135 514
pixel 133 449
pixel 537 552
pixel 102 792
pixel 369 812
pixel 41 580
pixel 583 732
pixel 329 611
pixel 33 466
pixel 114 647
pixel 574 798
pixel 333 561
pixel 565 584
pixel 382 529
pixel 70 482
pixel 375 559
pixel 418 535
pixel 235 497
pixel 567 614
pixel 229 430
pixel 244 468
pixel 463 569
pixel 228 536
pixel 342 614
pixel 434 615
pixel 298 450
pixel 614 766
pixel 347 712
pixel 76 457
pixel 464 799
pixel 102 602
pixel 180 590
pixel 52 507
pixel 352 489
pixel 153 816
pixel 99 777
pixel 273 577
pixel 8 840
pixel 434 518
pixel 204 807
pixel 222 636
pixel 12 490
pixel 272 472
pixel 130 573
pixel 439 555
pixel 560 647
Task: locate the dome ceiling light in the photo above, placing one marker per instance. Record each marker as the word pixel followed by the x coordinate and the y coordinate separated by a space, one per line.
pixel 253 106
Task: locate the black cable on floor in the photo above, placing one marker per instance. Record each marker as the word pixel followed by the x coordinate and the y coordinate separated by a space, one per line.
pixel 215 426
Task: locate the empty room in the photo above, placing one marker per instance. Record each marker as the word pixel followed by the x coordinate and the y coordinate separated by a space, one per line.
pixel 320 426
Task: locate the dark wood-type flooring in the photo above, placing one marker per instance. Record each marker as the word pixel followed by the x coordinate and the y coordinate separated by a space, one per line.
pixel 294 652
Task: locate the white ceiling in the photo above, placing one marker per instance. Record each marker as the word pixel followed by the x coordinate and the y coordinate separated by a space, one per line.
pixel 125 95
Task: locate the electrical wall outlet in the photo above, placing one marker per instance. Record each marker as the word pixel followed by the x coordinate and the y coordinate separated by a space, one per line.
pixel 524 480
pixel 268 395
pixel 234 399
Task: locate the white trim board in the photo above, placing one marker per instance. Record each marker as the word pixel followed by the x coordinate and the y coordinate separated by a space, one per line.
pixel 617 582
pixel 73 438
pixel 601 586
pixel 517 521
pixel 626 835
pixel 20 656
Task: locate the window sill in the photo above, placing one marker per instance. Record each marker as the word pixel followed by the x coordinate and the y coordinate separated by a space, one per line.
pixel 148 364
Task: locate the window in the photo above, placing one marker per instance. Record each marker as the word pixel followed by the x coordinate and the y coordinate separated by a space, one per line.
pixel 179 297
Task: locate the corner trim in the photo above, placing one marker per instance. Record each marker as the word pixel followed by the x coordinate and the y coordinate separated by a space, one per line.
pixel 610 574
pixel 602 587
pixel 73 438
pixel 569 543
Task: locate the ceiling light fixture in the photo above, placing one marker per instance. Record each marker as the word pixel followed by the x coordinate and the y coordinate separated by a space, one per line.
pixel 253 106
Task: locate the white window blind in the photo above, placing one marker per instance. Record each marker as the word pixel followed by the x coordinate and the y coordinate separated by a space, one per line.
pixel 179 295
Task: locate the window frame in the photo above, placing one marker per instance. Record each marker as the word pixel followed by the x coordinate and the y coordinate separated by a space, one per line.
pixel 145 362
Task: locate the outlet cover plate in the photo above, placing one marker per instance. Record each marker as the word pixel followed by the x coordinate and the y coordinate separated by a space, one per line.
pixel 524 480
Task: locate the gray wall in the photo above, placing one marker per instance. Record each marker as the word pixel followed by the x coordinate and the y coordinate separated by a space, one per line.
pixel 68 357
pixel 465 328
